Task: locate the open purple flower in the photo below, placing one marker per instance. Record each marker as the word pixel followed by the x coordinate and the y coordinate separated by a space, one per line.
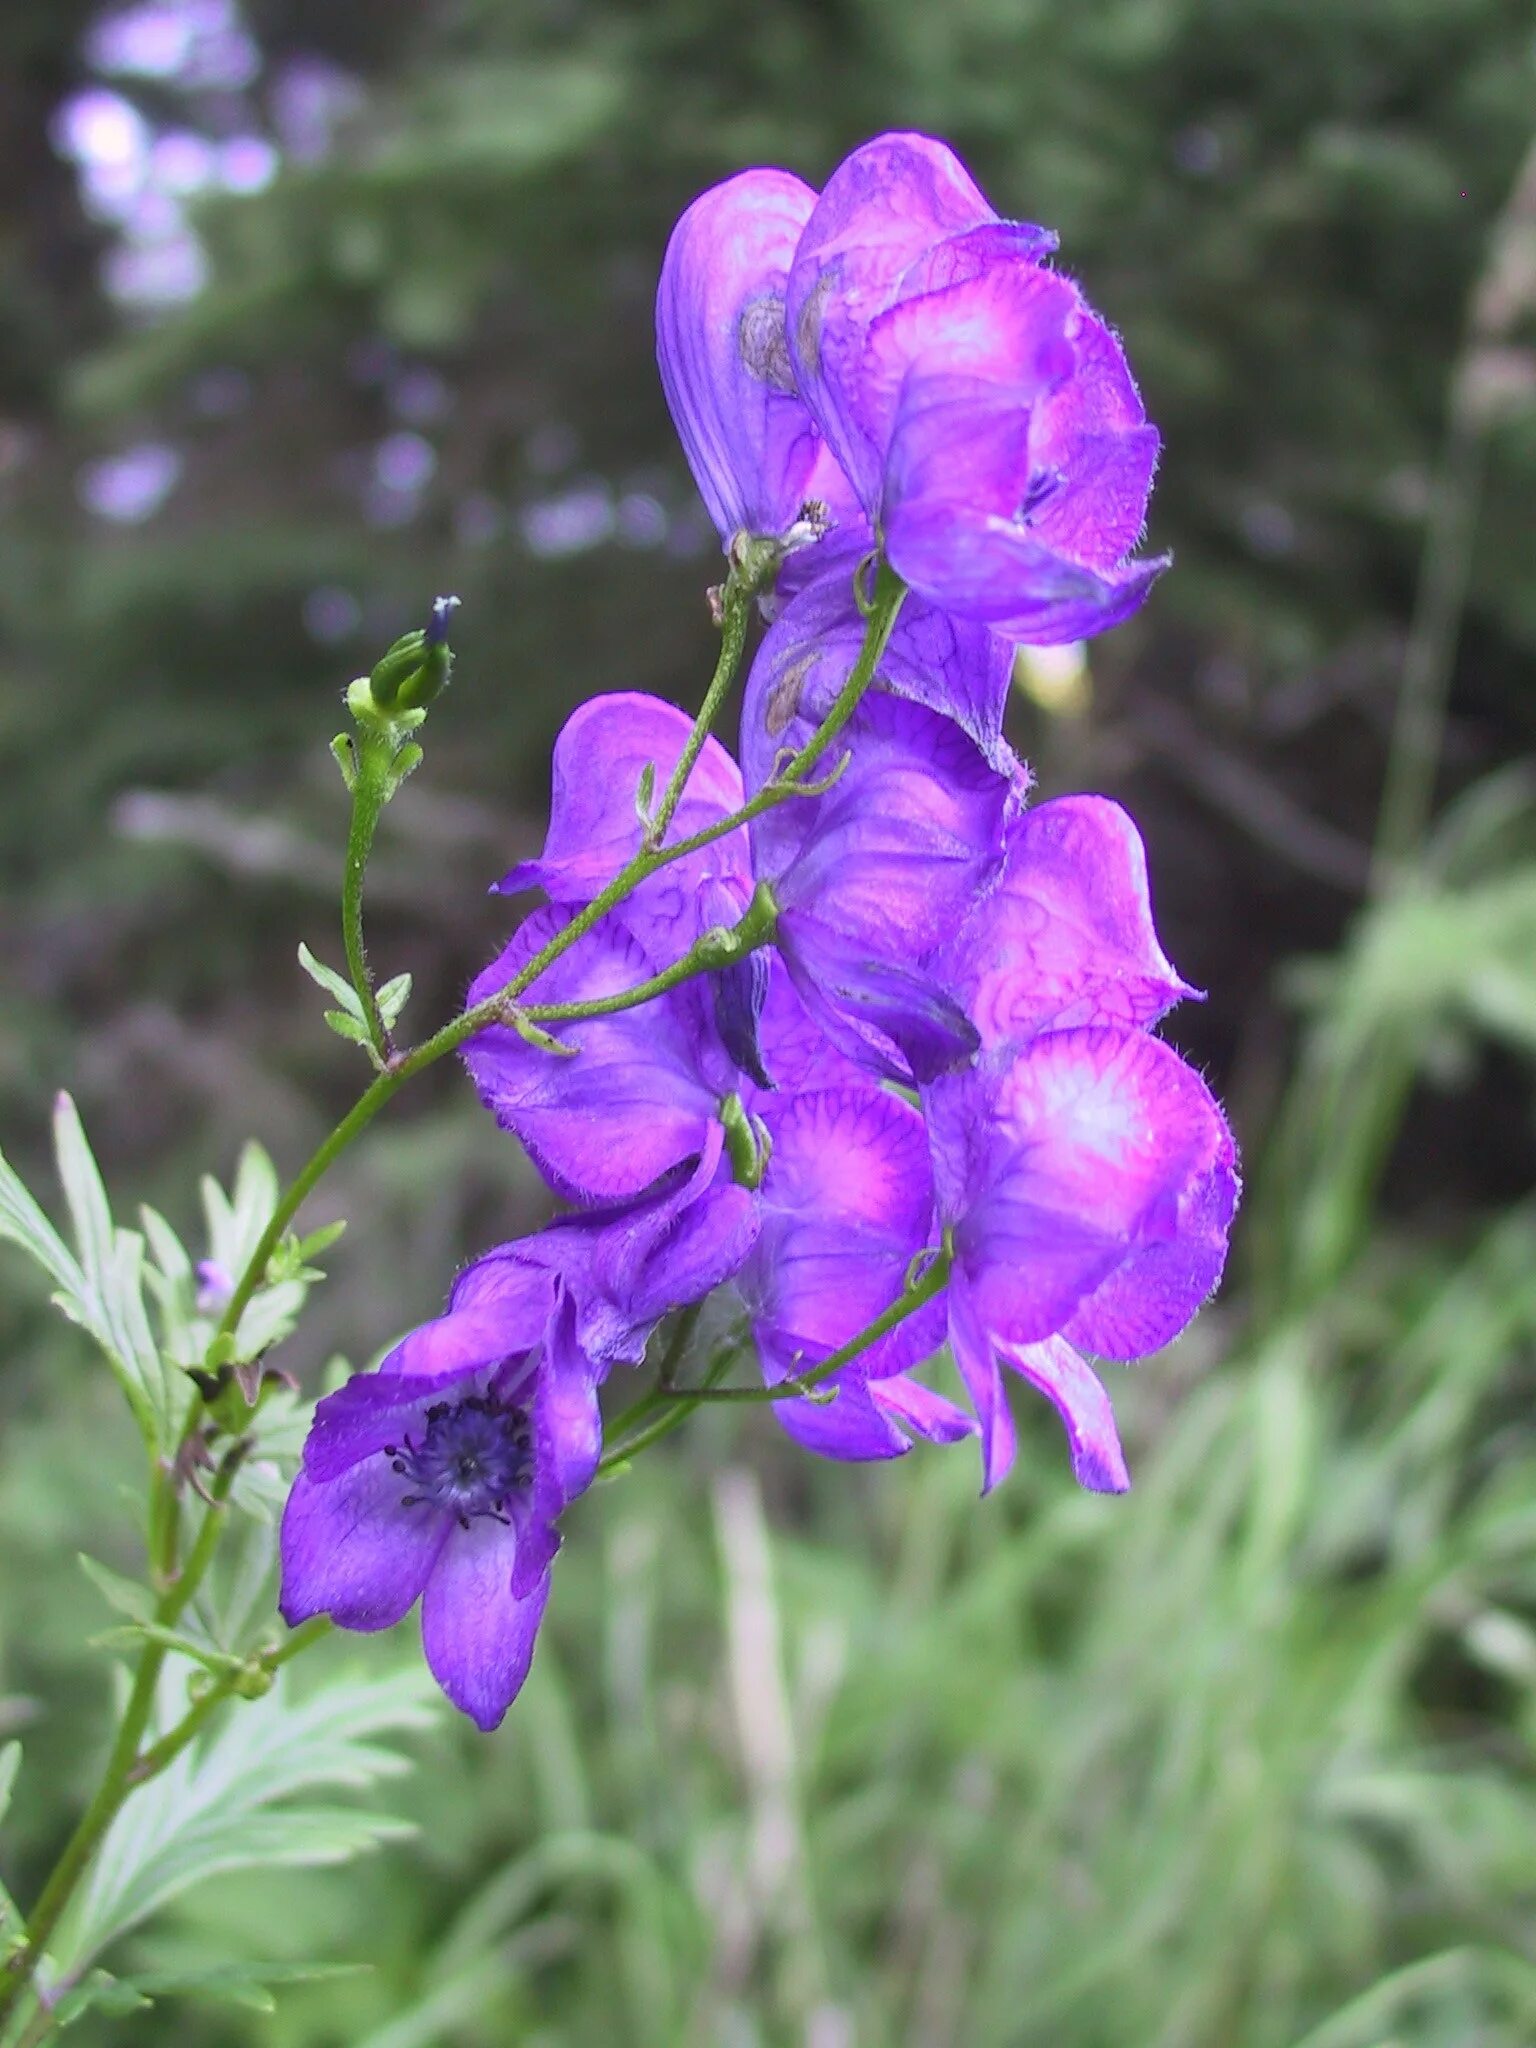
pixel 984 413
pixel 755 452
pixel 846 1204
pixel 442 1475
pixel 1085 1174
pixel 1086 1181
pixel 440 1478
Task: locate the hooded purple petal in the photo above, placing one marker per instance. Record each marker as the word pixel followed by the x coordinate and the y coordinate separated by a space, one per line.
pixel 1066 938
pixel 754 450
pixel 1060 1163
pixel 883 209
pixel 478 1636
pixel 605 1123
pixel 349 1550
pixel 881 1015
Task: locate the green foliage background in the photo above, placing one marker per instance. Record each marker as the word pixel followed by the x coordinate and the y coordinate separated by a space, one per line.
pixel 810 1756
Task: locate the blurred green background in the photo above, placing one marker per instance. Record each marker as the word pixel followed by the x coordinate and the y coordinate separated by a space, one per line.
pixel 308 312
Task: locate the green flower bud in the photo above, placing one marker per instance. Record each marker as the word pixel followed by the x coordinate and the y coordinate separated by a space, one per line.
pixel 417 668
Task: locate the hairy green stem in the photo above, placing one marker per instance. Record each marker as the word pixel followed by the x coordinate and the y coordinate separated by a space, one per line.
pixel 370 793
pixel 735 611
pixel 672 1406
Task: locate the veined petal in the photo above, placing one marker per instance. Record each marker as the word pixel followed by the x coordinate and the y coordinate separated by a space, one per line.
pixel 883 207
pixel 1056 1371
pixel 1066 938
pixel 891 1019
pixel 846 1204
pixel 1059 1163
pixel 950 665
pixel 478 1637
pixel 895 853
pixel 725 367
pixel 1148 1300
pixel 350 1550
pixel 604 1124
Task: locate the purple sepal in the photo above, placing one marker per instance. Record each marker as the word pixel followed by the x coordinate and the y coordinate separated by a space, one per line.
pixel 1055 1370
pixel 740 992
pixel 1066 938
pixel 893 1020
pixel 949 665
pixel 1059 1165
pixel 638 1073
pixel 754 450
pixel 478 1634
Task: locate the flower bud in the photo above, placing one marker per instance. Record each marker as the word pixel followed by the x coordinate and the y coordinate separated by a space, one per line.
pixel 418 665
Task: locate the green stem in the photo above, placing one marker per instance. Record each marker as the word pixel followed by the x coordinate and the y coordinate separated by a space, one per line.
pixel 672 1406
pixel 889 593
pixel 117 1779
pixel 370 793
pixel 735 611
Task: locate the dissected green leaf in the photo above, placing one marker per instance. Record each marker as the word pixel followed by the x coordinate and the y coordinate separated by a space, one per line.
pixel 245 1798
pixel 346 1025
pixel 393 997
pixel 102 1289
pixel 127 1596
pixel 335 985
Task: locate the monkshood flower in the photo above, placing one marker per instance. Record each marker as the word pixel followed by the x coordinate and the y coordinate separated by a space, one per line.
pixel 440 1478
pixel 442 1475
pixel 1085 1176
pixel 758 457
pixel 845 1206
pixel 983 412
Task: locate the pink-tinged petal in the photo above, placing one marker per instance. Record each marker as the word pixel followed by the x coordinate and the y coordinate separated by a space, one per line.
pixel 1067 936
pixel 955 668
pixel 603 1124
pixel 594 828
pixel 1059 1163
pixel 883 207
pixel 921 1411
pixel 846 1203
pixel 350 1550
pixel 976 1361
pixel 478 1636
pixel 1148 1300
pixel 720 343
pixel 1098 512
pixel 1006 329
pixel 996 572
pixel 1056 1370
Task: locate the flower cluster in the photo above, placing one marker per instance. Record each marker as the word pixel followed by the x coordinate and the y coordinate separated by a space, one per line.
pixel 903 1091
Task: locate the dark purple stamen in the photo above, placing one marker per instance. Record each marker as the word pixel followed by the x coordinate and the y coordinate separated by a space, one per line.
pixel 474 1456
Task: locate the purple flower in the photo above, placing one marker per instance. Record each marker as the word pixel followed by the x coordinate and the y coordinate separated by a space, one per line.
pixel 754 449
pixel 984 413
pixel 1085 1174
pixel 440 1478
pixel 1085 1182
pixel 846 1204
pixel 442 1475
